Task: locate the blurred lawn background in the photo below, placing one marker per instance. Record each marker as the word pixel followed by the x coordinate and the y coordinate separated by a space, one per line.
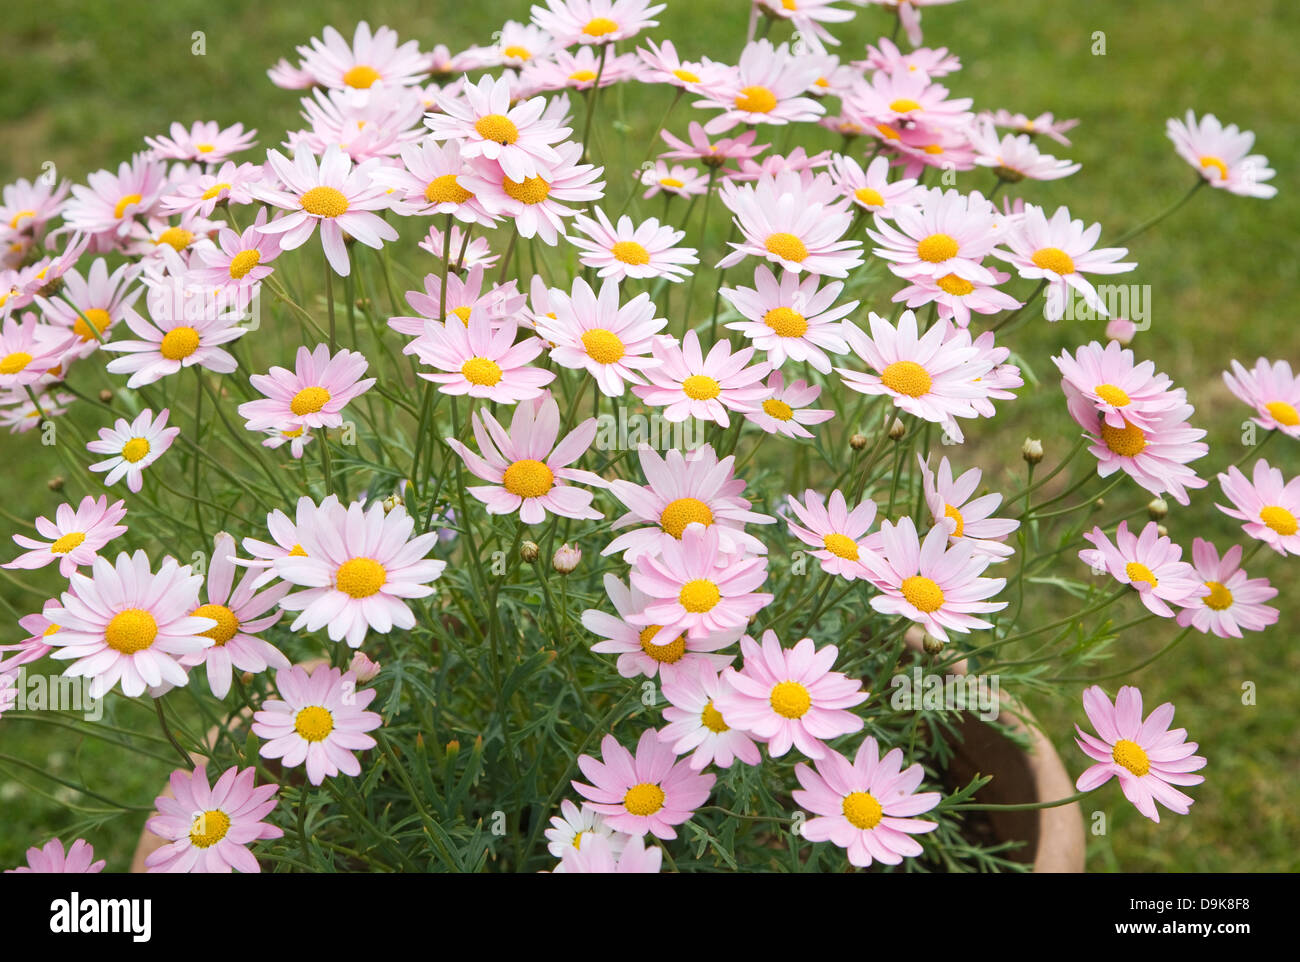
pixel 82 83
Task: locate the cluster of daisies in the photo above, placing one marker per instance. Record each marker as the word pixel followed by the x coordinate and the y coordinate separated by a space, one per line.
pixel 395 135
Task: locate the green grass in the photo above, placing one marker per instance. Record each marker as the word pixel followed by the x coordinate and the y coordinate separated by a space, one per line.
pixel 82 83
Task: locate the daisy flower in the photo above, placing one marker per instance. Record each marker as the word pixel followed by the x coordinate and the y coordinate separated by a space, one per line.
pixel 767 87
pixel 1146 755
pixel 1121 390
pixel 678 180
pixel 695 488
pixel 662 65
pixel 597 334
pixel 838 534
pixel 285 539
pixel 171 340
pixel 90 307
pixel 133 446
pixel 1235 601
pixel 791 319
pixel 374 125
pixel 905 99
pixel 209 829
pixel 239 261
pixel 1014 157
pixel 955 297
pixel 371 59
pixel 109 203
pixel 126 624
pixel 319 719
pixel 649 792
pixel 51 859
pixel 1060 251
pixel 1147 562
pixel 711 153
pixel 949 233
pixel 29 350
pixel 74 537
pixel 789 697
pixel 909 14
pixel 785 408
pixel 27 208
pixel 575 826
pixel 932 62
pixel 199 196
pixel 359 568
pixel 933 583
pixel 646 250
pixel 1045 124
pixel 334 195
pixel 951 502
pixel 535 203
pixel 580 70
pixel 426 183
pixel 696 726
pixel 1272 390
pixel 469 252
pixel 528 472
pixel 465 297
pixel 297 438
pixel 871 190
pixel 34 647
pixel 601 858
pixel 518 44
pixel 866 807
pixel 686 383
pixel 312 395
pixel 19 414
pixel 1222 155
pixel 636 645
pixel 204 141
pixel 807 17
pixel 594 21
pixel 1268 504
pixel 477 360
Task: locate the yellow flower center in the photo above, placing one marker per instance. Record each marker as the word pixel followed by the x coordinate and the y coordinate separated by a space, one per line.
pixel 907 377
pixel 324 202
pixel 214 190
pixel 516 52
pixel 644 799
pixel 309 400
pixel 126 202
pixel 242 263
pixel 99 320
pixel 786 246
pixel 209 828
pixel 869 197
pixel 360 577
pixel 361 77
pixel 937 248
pixel 862 810
pixel 950 512
pixel 1217 164
pixel 497 127
pixel 699 596
pixel 776 408
pixel 21 215
pixel 889 133
pixel 668 654
pixel 530 190
pixel 67 542
pixel 1279 519
pixel 175 237
pixel 599 27
pixel 1137 571
pixel 446 190
pixel 137 449
pixel 904 105
pixel 686 77
pixel 179 343
pixel 1131 756
pixel 786 322
pixel 227 624
pixel 583 76
pixel 314 723
pixel 701 387
pixel 630 252
pixel 841 545
pixel 1112 395
pixel 922 593
pixel 528 478
pixel 1283 413
pixel 482 371
pixel 711 718
pixel 15 362
pixel 130 631
pixel 756 100
pixel 678 514
pixel 1219 597
pixel 1053 259
pixel 297 551
pixel 789 699
pixel 460 313
pixel 1127 442
pixel 671 182
pixel 954 285
pixel 602 346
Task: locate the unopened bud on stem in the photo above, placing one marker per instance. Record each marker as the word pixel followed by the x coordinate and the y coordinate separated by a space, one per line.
pixel 1032 450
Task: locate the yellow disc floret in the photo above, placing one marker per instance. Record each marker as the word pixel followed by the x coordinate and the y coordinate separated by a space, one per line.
pixel 360 577
pixel 130 631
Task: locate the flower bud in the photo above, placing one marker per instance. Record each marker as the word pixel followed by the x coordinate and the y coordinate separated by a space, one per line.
pixel 1122 331
pixel 566 559
pixel 363 667
pixel 1162 531
pixel 1032 450
pixel 1157 509
pixel 106 395
pixel 56 483
pixel 858 442
pixel 932 645
pixel 529 551
pixel 391 502
pixel 897 430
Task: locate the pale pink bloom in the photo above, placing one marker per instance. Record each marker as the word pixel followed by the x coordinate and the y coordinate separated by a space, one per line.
pixel 230 184
pixel 28 207
pixel 204 141
pixel 481 359
pixel 1061 251
pixel 1149 563
pixel 662 65
pixel 784 410
pixel 678 180
pixel 528 472
pixel 1014 157
pixel 594 21
pixel 171 340
pixel 934 583
pixel 35 646
pixel 536 204
pixel 949 234
pixel 686 383
pixel 1272 390
pixel 871 190
pixel 358 570
pixel 371 59
pixel 312 395
pixel 638 647
pixel 866 807
pixel 683 489
pixel 698 588
pixel 288 77
pixel 1121 330
pixel 599 857
pixel 907 99
pixel 365 669
pixel 1044 124
pixel 126 624
pixel 319 719
pixel 153 237
pixel 767 87
pixel 297 438
pixel 631 250
pixel 1121 390
pixel 956 297
pixel 575 826
pixel 517 45
pixel 74 537
pixel 373 125
pixel 951 501
pixel 240 261
pixel 807 17
pixel 108 206
pixel 816 189
pixel 210 829
pixel 885 55
pixel 1001 381
pixel 19 414
pixel 132 447
pixel 466 252
pixel 1222 155
pixel 793 319
pixel 838 535
pixel 285 536
pixel 1235 601
pixel 711 153
pixel 580 70
pixel 427 183
pixel 51 859
pixel 465 298
pixel 649 792
pixel 597 334
pixel 334 195
pixel 1268 504
pixel 1146 755
pixel 696 726
pixel 789 697
pixel 30 350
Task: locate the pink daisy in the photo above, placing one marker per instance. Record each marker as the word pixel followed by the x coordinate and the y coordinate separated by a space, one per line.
pixel 649 792
pixel 75 536
pixel 767 87
pixel 601 858
pixel 240 260
pixel 678 180
pixel 50 859
pixel 1014 157
pixel 932 62
pixel 90 307
pixel 285 538
pixel 426 183
pixel 663 65
pixel 230 184
pixel 951 502
pixel 646 250
pixel 1045 124
pixel 807 17
pixel 312 395
pixel 204 141
pixel 1149 563
pixel 1121 390
pixel 469 252
pixel 132 447
pixel 949 233
pixel 109 204
pixel 1235 601
pixel 575 826
pixel 785 408
pixel 956 297
pixel 477 360
pixel 594 21
pixel 28 207
pixel 371 59
pixel 170 341
pixel 696 726
pixel 791 319
pixel 838 534
pixel 580 70
pixel 1222 155
pixel 465 296
pixel 871 190
pixel 30 350
pixel 35 646
pixel 1272 390
pixel 711 153
pixel 1146 755
pixel 535 203
pixel 1268 504
pixel 686 383
pixel 210 829
pixel 319 719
